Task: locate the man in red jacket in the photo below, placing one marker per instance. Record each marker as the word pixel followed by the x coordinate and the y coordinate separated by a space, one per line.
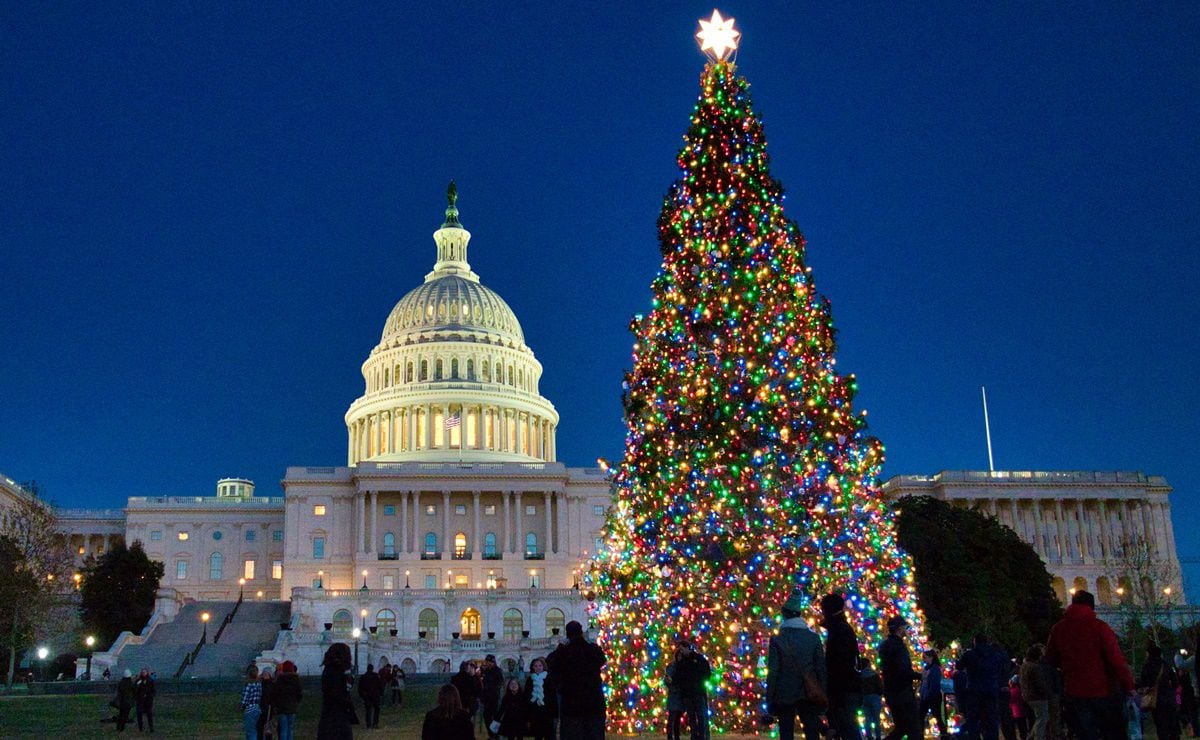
pixel 1096 677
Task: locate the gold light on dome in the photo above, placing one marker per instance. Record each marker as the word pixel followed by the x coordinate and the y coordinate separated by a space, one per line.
pixel 717 36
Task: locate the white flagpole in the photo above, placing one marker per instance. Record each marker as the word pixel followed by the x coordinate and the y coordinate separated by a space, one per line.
pixel 987 430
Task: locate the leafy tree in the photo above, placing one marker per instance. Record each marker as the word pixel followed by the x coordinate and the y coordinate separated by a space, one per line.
pixel 975 575
pixel 117 592
pixel 18 593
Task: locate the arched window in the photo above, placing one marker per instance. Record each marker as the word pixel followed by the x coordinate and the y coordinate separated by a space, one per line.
pixel 520 378
pixel 470 369
pixel 1060 589
pixel 514 624
pixel 470 624
pixel 215 566
pixel 385 620
pixel 489 544
pixel 408 376
pixel 460 544
pixel 409 666
pixel 510 375
pixel 343 623
pixel 389 544
pixel 555 620
pixel 531 547
pixel 437 369
pixel 486 377
pixel 430 543
pixel 1104 593
pixel 427 622
pixel 424 370
pixel 396 374
pixel 454 368
pixel 387 377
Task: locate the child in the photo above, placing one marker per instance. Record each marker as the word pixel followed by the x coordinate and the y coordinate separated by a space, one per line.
pixel 513 711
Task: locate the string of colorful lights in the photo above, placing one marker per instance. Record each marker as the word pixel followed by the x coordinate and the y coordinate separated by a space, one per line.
pixel 747 474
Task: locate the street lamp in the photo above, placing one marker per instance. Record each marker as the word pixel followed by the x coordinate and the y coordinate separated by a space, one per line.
pixel 363 613
pixel 43 652
pixel 406 578
pixel 356 633
pixel 241 588
pixel 320 579
pixel 91 643
pixel 532 578
pixel 364 588
pixel 78 578
pixel 204 635
pixel 449 578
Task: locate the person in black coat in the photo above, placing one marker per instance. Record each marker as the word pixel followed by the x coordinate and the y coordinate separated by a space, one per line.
pixel 143 697
pixel 844 684
pixel 448 720
pixel 895 663
pixel 492 680
pixel 575 670
pixel 469 687
pixel 691 672
pixel 337 711
pixel 370 688
pixel 513 712
pixel 124 701
pixel 541 699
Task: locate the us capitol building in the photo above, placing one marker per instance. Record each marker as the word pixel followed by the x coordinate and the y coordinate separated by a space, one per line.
pixel 453 531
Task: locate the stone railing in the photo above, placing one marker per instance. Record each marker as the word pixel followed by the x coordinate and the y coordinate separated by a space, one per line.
pixel 326 594
pixel 464 467
pixel 1032 476
pixel 256 502
pixel 90 513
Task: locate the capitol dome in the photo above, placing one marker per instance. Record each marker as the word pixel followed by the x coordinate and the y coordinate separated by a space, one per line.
pixel 451 377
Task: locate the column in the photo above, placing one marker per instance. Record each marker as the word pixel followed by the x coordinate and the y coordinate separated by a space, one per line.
pixel 476 545
pixel 404 541
pixel 410 418
pixel 561 541
pixel 1105 544
pixel 1160 528
pixel 506 530
pixel 374 546
pixel 1062 535
pixel 379 433
pixel 350 445
pixel 447 546
pixel 1039 538
pixel 993 508
pixel 361 505
pixel 549 526
pixel 417 545
pixel 428 426
pixel 1085 546
pixel 1015 513
pixel 445 429
pixel 520 538
pixel 1142 522
pixel 1169 527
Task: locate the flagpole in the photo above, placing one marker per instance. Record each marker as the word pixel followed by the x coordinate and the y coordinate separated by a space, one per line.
pixel 987 430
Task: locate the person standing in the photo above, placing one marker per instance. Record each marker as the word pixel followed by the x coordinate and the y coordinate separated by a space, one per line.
pixel 124 700
pixel 1037 686
pixel 397 685
pixel 796 674
pixel 931 690
pixel 251 703
pixel 370 690
pixel 1158 681
pixel 841 666
pixel 895 664
pixel 541 699
pixel 872 686
pixel 986 667
pixel 285 700
pixel 575 671
pixel 143 697
pixel 512 714
pixel 492 681
pixel 337 710
pixel 448 720
pixel 674 699
pixel 469 687
pixel 1085 649
pixel 265 702
pixel 692 670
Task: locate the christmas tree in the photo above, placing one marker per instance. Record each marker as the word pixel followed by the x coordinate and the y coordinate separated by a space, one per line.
pixel 747 474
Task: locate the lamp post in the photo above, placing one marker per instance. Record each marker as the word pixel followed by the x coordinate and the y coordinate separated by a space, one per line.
pixel 363 613
pixel 364 588
pixel 449 578
pixel 406 573
pixel 241 588
pixel 204 619
pixel 356 633
pixel 90 641
pixel 43 652
pixel 320 579
pixel 532 578
pixel 78 578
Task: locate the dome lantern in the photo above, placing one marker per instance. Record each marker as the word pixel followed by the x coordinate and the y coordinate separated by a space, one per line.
pixel 452 241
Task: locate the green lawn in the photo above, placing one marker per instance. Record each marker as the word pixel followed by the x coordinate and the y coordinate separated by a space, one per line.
pixel 187 715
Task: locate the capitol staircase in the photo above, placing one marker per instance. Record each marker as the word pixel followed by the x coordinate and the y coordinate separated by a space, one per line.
pixel 237 632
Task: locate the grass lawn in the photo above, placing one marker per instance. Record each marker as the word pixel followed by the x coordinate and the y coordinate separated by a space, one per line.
pixel 188 715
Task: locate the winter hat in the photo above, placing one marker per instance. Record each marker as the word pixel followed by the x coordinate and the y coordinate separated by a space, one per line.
pixel 127 673
pixel 287 666
pixel 897 621
pixel 795 602
pixel 832 604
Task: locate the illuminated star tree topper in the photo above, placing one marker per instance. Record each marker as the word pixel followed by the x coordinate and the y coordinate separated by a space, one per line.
pixel 717 37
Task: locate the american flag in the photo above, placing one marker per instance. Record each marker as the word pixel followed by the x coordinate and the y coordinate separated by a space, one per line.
pixel 453 420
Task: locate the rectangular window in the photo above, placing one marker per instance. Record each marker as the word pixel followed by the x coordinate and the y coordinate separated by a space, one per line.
pixel 155 535
pixel 597 511
pixel 389 510
pixel 530 510
pixel 430 581
pixel 250 535
pixel 599 544
pixel 183 536
pixel 460 508
pixel 430 510
pixel 317 583
pixel 180 569
pixel 389 583
pixel 490 510
pixel 276 569
pixel 461 581
pixel 535 580
pixel 277 536
pixel 318 548
pixel 319 510
pixel 248 570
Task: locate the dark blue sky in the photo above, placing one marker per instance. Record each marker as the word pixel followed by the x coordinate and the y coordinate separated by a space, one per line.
pixel 206 215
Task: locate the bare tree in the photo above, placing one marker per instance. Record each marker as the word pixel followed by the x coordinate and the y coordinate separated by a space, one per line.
pixel 1147 584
